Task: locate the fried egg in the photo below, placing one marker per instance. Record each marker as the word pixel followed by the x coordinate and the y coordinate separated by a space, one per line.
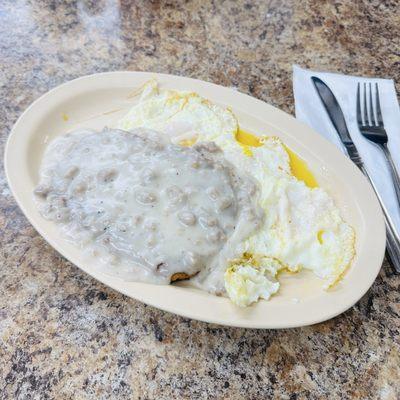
pixel 184 116
pixel 303 228
pixel 248 279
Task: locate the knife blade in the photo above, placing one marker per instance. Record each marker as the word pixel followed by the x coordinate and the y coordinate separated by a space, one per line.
pixel 336 116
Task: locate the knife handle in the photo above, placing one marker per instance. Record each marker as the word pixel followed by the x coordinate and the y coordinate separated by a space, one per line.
pixel 392 252
pixel 392 239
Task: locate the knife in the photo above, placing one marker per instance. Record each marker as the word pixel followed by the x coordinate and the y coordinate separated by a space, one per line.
pixel 336 116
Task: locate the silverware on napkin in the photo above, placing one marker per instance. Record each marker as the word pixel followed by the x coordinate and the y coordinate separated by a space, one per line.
pixel 336 116
pixel 373 129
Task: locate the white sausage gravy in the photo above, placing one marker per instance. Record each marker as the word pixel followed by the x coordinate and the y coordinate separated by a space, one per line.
pixel 147 209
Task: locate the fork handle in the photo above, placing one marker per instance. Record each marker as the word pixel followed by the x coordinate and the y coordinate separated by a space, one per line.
pixel 392 251
pixel 392 239
pixel 393 171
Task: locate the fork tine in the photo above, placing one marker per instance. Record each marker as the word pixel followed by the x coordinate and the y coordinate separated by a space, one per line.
pixel 378 106
pixel 359 118
pixel 371 106
pixel 366 120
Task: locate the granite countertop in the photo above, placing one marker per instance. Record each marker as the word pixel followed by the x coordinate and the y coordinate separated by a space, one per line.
pixel 64 335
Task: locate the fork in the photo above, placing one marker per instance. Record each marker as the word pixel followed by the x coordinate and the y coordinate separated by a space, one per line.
pixel 373 128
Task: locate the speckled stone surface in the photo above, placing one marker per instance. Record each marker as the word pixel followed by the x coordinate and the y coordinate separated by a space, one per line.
pixel 64 335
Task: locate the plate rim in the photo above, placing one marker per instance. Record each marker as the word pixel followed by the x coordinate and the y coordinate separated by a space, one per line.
pixel 288 119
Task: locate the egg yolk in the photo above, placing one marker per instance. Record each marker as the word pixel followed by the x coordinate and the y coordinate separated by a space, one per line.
pixel 300 169
pixel 319 236
pixel 247 140
pixel 187 142
pixel 298 166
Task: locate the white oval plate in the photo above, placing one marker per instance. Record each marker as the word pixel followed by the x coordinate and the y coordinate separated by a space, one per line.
pixel 101 99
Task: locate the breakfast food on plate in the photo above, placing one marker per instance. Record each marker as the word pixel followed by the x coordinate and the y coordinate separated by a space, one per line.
pixel 177 190
pixel 153 211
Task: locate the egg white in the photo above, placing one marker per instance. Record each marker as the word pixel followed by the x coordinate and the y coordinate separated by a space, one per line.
pixel 247 280
pixel 185 116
